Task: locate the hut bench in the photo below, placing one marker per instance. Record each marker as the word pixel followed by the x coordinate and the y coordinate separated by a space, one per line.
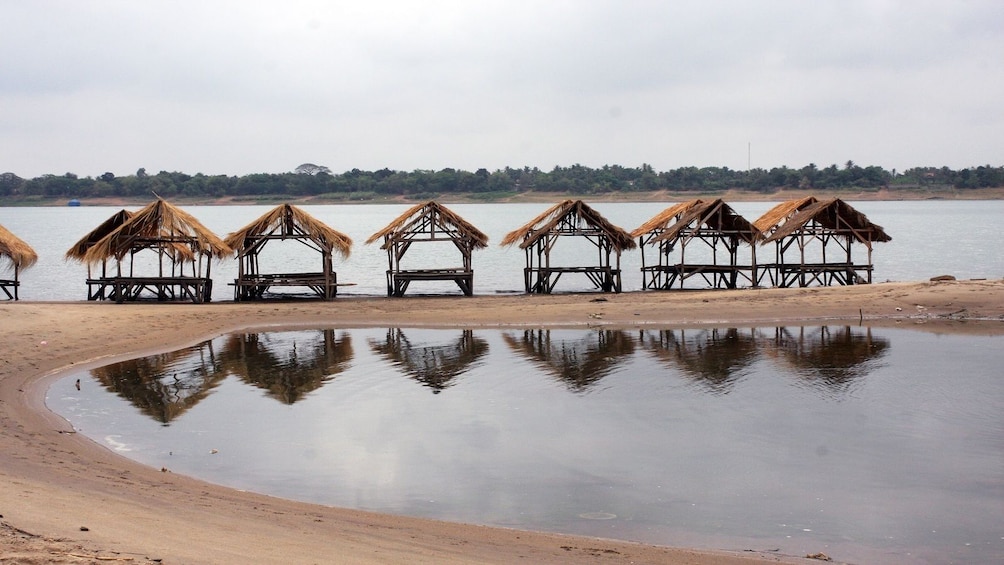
pixel 663 277
pixel 9 288
pixel 164 289
pixel 254 286
pixel 541 280
pixel 398 280
pixel 785 275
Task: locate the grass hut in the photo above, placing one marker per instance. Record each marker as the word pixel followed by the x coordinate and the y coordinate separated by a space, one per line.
pixel 80 248
pixel 15 255
pixel 714 227
pixel 565 219
pixel 430 222
pixel 161 241
pixel 823 233
pixel 286 222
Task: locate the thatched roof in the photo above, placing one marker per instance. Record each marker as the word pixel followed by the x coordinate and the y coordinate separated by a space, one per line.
pixel 716 214
pixel 538 227
pixel 159 224
pixel 414 218
pixel 779 213
pixel 288 221
pixel 19 254
pixel 835 214
pixel 80 248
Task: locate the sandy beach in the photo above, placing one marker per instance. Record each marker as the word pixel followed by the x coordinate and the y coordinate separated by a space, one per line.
pixel 66 499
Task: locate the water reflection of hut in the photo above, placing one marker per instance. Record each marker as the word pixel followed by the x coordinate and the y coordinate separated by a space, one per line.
pixel 813 227
pixel 16 255
pixel 832 357
pixel 435 366
pixel 716 227
pixel 578 362
pixel 286 222
pixel 165 385
pixel 714 358
pixel 430 222
pixel 287 365
pixel 175 239
pixel 563 220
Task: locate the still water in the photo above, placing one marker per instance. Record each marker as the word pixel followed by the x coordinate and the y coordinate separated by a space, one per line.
pixel 930 238
pixel 871 445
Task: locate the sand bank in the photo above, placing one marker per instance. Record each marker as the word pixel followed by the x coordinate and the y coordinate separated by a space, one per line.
pixel 54 483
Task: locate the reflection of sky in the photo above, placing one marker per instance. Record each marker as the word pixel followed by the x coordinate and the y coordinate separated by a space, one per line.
pixel 914 447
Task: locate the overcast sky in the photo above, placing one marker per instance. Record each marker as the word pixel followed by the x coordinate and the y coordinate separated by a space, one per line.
pixel 251 86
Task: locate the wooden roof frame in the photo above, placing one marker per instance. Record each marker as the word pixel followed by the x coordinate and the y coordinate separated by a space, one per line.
pixel 429 222
pixel 806 221
pixel 570 218
pixel 286 222
pixel 712 222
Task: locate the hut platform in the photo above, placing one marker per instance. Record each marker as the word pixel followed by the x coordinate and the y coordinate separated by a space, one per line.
pixel 163 289
pixel 541 280
pixel 254 286
pixel 9 288
pixel 663 277
pixel 787 275
pixel 398 280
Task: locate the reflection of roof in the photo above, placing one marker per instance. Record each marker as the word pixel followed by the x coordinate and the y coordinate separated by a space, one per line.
pixel 288 222
pixel 165 385
pixel 579 363
pixel 158 225
pixel 576 210
pixel 715 214
pixel 833 214
pixel 831 356
pixel 433 217
pixel 287 365
pixel 13 249
pixel 714 358
pixel 433 365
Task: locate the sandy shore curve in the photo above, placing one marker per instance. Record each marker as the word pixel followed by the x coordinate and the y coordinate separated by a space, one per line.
pixel 66 499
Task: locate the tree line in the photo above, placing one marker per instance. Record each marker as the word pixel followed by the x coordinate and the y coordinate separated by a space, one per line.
pixel 309 180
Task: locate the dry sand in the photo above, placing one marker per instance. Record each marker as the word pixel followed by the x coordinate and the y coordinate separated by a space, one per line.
pixel 65 499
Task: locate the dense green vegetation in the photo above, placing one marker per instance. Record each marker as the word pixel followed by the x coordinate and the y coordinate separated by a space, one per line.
pixel 310 180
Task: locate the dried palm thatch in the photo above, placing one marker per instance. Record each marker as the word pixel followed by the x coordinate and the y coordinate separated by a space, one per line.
pixel 662 220
pixel 80 248
pixel 778 214
pixel 833 214
pixel 14 252
pixel 289 222
pixel 159 225
pixel 715 214
pixel 431 214
pixel 575 212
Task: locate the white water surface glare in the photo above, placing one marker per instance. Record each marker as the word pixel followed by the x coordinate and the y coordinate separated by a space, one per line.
pixel 870 445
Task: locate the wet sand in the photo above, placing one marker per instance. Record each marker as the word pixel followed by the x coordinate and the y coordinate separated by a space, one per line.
pixel 65 499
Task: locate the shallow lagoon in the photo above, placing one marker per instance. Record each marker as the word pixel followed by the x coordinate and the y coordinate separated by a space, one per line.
pixel 866 444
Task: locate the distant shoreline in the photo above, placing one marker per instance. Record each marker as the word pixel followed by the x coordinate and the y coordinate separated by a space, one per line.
pixel 546 197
